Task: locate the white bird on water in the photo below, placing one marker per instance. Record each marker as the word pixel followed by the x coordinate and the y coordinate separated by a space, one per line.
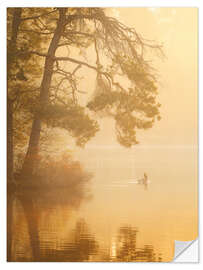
pixel 143 181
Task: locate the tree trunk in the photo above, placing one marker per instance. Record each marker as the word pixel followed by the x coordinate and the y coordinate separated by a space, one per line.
pixel 10 214
pixel 32 223
pixel 10 59
pixel 33 147
pixel 9 140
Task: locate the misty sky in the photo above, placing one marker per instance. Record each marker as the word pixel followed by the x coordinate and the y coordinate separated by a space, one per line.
pixel 176 29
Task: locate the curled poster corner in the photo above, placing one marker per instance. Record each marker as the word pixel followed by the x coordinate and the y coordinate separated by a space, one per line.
pixel 186 251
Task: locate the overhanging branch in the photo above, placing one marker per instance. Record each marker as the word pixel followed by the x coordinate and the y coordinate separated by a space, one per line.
pixel 81 63
pixel 65 58
pixel 38 16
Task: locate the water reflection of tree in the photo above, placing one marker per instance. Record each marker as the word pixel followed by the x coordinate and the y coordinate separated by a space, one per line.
pixel 127 250
pixel 10 202
pixel 80 248
pixel 33 204
pixel 126 243
pixel 37 243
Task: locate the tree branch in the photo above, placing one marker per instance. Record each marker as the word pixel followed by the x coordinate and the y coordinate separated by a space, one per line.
pixel 36 17
pixel 65 58
pixel 37 32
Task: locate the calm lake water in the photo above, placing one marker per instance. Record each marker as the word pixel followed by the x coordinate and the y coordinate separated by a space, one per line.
pixel 118 220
